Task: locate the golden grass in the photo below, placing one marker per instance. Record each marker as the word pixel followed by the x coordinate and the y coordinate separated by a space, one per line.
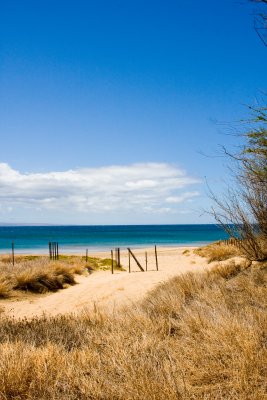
pixel 218 252
pixel 6 285
pixel 7 259
pixel 198 336
pixel 40 275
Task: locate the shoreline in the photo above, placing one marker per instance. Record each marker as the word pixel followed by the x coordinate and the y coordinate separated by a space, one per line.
pixel 98 250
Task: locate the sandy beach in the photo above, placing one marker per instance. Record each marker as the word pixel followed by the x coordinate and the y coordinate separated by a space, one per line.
pixel 105 291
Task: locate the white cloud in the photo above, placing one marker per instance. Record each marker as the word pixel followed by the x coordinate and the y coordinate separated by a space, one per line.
pixel 182 198
pixel 137 187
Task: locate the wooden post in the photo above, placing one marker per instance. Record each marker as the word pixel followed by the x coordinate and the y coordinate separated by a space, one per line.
pixel 49 247
pixel 86 255
pixel 112 265
pixel 129 257
pixel 146 260
pixel 57 251
pixel 156 256
pixel 13 254
pixel 135 259
pixel 119 257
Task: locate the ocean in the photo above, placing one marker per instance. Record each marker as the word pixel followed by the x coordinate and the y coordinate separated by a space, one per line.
pixel 75 239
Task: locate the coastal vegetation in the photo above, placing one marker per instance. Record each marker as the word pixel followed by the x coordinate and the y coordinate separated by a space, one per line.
pixel 40 275
pixel 218 251
pixel 242 211
pixel 197 336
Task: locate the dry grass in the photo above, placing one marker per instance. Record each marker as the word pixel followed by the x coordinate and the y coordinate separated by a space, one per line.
pixel 6 286
pixel 39 275
pixel 218 252
pixel 186 252
pixel 198 336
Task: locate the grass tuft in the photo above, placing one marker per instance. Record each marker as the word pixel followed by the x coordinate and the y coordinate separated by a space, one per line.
pixel 6 286
pixel 217 252
pixel 40 275
pixel 41 280
pixel 37 275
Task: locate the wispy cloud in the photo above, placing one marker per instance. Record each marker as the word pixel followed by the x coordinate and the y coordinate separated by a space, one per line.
pixel 148 187
pixel 182 198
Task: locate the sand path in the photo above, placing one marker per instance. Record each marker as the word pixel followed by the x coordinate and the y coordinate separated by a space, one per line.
pixel 107 291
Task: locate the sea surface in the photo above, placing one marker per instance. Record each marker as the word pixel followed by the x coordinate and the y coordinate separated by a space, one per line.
pixel 76 239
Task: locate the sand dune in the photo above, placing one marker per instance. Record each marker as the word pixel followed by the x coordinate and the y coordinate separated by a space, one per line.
pixel 104 290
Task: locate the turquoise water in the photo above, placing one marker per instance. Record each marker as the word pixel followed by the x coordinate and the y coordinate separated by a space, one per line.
pixel 75 239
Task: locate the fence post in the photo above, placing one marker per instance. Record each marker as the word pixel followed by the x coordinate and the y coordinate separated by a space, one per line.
pixel 86 255
pixel 129 257
pixel 57 251
pixel 146 260
pixel 135 259
pixel 13 255
pixel 156 256
pixel 54 244
pixel 119 257
pixel 112 265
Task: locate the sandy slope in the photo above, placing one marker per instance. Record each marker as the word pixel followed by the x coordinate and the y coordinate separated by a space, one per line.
pixel 106 290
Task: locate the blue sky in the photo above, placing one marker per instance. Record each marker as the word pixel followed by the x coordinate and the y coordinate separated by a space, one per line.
pixel 106 107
